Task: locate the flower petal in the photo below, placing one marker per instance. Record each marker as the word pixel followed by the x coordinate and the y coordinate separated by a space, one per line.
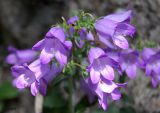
pixel 108 72
pixel 95 76
pixel 11 59
pixel 116 95
pixel 103 101
pixel 149 69
pixel 154 82
pixel 131 71
pixel 107 86
pixel 18 69
pixel 68 44
pixel 120 41
pixel 39 69
pixel 26 56
pixel 42 86
pixel 106 40
pixel 24 81
pixel 56 32
pixel 147 53
pixel 46 56
pixel 72 20
pixel 123 66
pixel 90 36
pixel 34 89
pixel 125 29
pixel 120 17
pixel 106 27
pixel 94 53
pixel 54 70
pixel 39 45
pixel 61 58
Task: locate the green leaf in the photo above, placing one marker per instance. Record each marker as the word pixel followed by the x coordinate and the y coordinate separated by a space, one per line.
pixel 7 91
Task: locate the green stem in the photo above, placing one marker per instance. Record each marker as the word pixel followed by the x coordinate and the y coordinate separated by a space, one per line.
pixel 77 65
pixel 71 106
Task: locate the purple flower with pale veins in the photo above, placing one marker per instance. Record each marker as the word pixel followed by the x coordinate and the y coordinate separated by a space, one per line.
pixel 151 58
pixel 21 56
pixel 24 76
pixel 35 75
pixel 130 61
pixel 105 89
pixel 54 45
pixel 113 29
pixel 101 65
pixel 41 84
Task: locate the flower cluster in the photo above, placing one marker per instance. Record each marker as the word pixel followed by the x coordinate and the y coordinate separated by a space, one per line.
pixel 102 40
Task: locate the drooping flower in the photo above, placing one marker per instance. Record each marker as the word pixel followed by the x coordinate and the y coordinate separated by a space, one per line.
pixel 21 56
pixel 41 84
pixel 151 58
pixel 101 65
pixel 72 20
pixel 130 61
pixel 105 89
pixel 90 36
pixel 35 75
pixel 54 45
pixel 113 29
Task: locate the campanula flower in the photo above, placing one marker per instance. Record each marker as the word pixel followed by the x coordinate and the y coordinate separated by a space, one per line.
pixel 113 29
pixel 35 75
pixel 151 58
pixel 105 89
pixel 100 65
pixel 130 61
pixel 73 20
pixel 40 85
pixel 54 46
pixel 21 56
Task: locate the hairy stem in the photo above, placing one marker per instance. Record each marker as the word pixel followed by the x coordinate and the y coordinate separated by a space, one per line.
pixel 38 103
